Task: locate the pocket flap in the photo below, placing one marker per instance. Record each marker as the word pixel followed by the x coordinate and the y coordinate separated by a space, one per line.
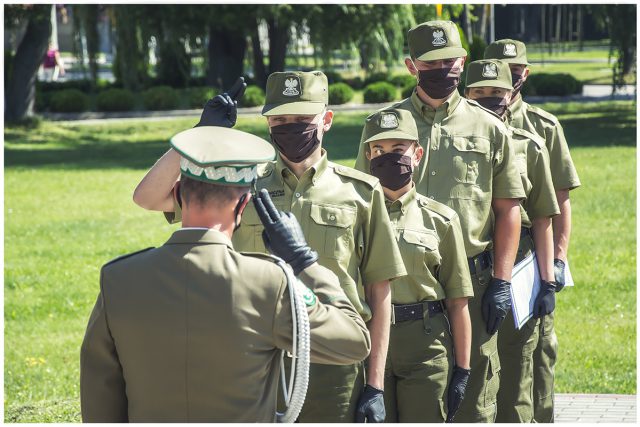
pixel 333 215
pixel 494 361
pixel 475 144
pixel 419 238
pixel 250 216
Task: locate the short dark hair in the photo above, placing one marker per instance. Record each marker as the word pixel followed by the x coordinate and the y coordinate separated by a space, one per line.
pixel 203 193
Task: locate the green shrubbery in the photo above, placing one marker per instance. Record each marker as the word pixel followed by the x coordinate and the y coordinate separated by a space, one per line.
pixel 198 96
pixel 380 76
pixel 403 80
pixel 253 96
pixel 408 90
pixel 379 92
pixel 115 100
pixel 555 84
pixel 160 98
pixel 69 101
pixel 340 93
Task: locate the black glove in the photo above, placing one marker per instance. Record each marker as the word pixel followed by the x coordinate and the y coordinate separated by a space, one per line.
pixel 457 387
pixel 496 303
pixel 545 301
pixel 282 234
pixel 222 110
pixel 370 407
pixel 558 272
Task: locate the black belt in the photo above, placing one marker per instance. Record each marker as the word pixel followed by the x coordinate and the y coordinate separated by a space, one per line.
pixel 480 262
pixel 404 312
pixel 524 232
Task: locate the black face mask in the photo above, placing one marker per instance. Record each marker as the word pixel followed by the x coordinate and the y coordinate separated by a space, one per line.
pixel 236 211
pixel 440 83
pixel 494 103
pixel 392 169
pixel 517 81
pixel 296 140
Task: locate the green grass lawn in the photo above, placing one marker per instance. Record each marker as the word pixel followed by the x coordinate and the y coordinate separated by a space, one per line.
pixel 68 210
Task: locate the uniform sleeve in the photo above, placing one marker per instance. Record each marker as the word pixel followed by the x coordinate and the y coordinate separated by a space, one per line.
pixel 175 216
pixel 381 258
pixel 362 163
pixel 507 183
pixel 454 274
pixel 541 201
pixel 563 171
pixel 102 387
pixel 339 336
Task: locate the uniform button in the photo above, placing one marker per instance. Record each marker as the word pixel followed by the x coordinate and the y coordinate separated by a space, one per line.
pixel 298 195
pixel 433 173
pixel 332 217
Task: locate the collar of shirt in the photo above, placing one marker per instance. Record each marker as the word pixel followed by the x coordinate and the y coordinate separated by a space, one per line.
pixel 429 113
pixel 514 109
pixel 403 201
pixel 313 173
pixel 199 235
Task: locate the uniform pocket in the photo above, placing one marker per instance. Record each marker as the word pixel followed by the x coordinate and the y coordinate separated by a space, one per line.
pixel 248 237
pixel 331 230
pixel 492 380
pixel 419 251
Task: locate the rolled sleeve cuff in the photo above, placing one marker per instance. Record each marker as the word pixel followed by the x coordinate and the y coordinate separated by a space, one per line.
pixel 387 273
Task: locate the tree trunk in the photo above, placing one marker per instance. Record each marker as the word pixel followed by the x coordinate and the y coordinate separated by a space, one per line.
pixel 278 42
pixel 580 28
pixel 259 69
pixel 21 91
pixel 131 60
pixel 467 23
pixel 483 22
pixel 226 57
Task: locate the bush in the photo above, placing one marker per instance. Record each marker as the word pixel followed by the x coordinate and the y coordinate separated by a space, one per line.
pixel 115 100
pixel 379 92
pixel 333 77
pixel 160 98
pixel 476 49
pixel 403 80
pixel 253 96
pixel 377 77
pixel 408 90
pixel 340 93
pixel 68 101
pixel 83 85
pixel 355 82
pixel 198 96
pixel 552 84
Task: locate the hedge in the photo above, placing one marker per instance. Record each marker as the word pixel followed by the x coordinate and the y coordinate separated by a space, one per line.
pixel 160 98
pixel 379 92
pixel 115 100
pixel 340 93
pixel 69 101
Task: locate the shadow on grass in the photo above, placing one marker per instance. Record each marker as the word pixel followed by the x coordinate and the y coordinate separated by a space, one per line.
pixel 59 411
pixel 131 147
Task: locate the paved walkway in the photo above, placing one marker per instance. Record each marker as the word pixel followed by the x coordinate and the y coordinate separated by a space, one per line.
pixel 595 408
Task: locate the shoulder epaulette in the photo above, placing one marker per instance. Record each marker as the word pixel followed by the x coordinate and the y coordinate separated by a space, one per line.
pixel 120 258
pixel 260 255
pixel 543 114
pixel 265 169
pixel 437 207
pixel 537 139
pixel 370 180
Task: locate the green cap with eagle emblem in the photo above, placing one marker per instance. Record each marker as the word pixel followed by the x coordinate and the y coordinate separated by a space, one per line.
pixel 434 40
pixel 220 155
pixel 390 123
pixel 490 73
pixel 296 92
pixel 508 50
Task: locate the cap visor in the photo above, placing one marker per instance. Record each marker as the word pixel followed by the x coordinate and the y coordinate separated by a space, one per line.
pixel 491 83
pixel 392 134
pixel 444 53
pixel 300 108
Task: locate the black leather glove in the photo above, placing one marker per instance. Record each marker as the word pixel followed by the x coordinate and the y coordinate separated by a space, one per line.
pixel 282 234
pixel 545 301
pixel 370 407
pixel 222 110
pixel 457 387
pixel 496 303
pixel 558 272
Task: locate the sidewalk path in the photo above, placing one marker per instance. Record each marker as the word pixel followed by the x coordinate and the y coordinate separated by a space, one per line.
pixel 595 408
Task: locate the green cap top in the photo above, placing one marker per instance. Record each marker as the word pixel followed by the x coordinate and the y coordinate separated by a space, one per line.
pixel 296 92
pixel 390 123
pixel 435 40
pixel 489 72
pixel 508 50
pixel 220 155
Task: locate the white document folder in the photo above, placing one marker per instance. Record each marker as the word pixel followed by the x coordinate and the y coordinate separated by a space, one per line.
pixel 525 286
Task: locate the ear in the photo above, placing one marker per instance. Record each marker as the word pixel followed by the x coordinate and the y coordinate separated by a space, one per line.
pixel 525 75
pixel 464 59
pixel 327 120
pixel 419 152
pixel 177 196
pixel 368 153
pixel 410 66
pixel 247 197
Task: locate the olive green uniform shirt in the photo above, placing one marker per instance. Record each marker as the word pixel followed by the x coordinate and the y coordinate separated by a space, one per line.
pixel 431 244
pixel 193 331
pixel 532 160
pixel 535 120
pixel 343 217
pixel 468 163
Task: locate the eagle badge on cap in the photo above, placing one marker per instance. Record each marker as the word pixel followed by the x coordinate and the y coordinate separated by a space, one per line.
pixel 388 121
pixel 438 38
pixel 490 70
pixel 290 87
pixel 510 49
